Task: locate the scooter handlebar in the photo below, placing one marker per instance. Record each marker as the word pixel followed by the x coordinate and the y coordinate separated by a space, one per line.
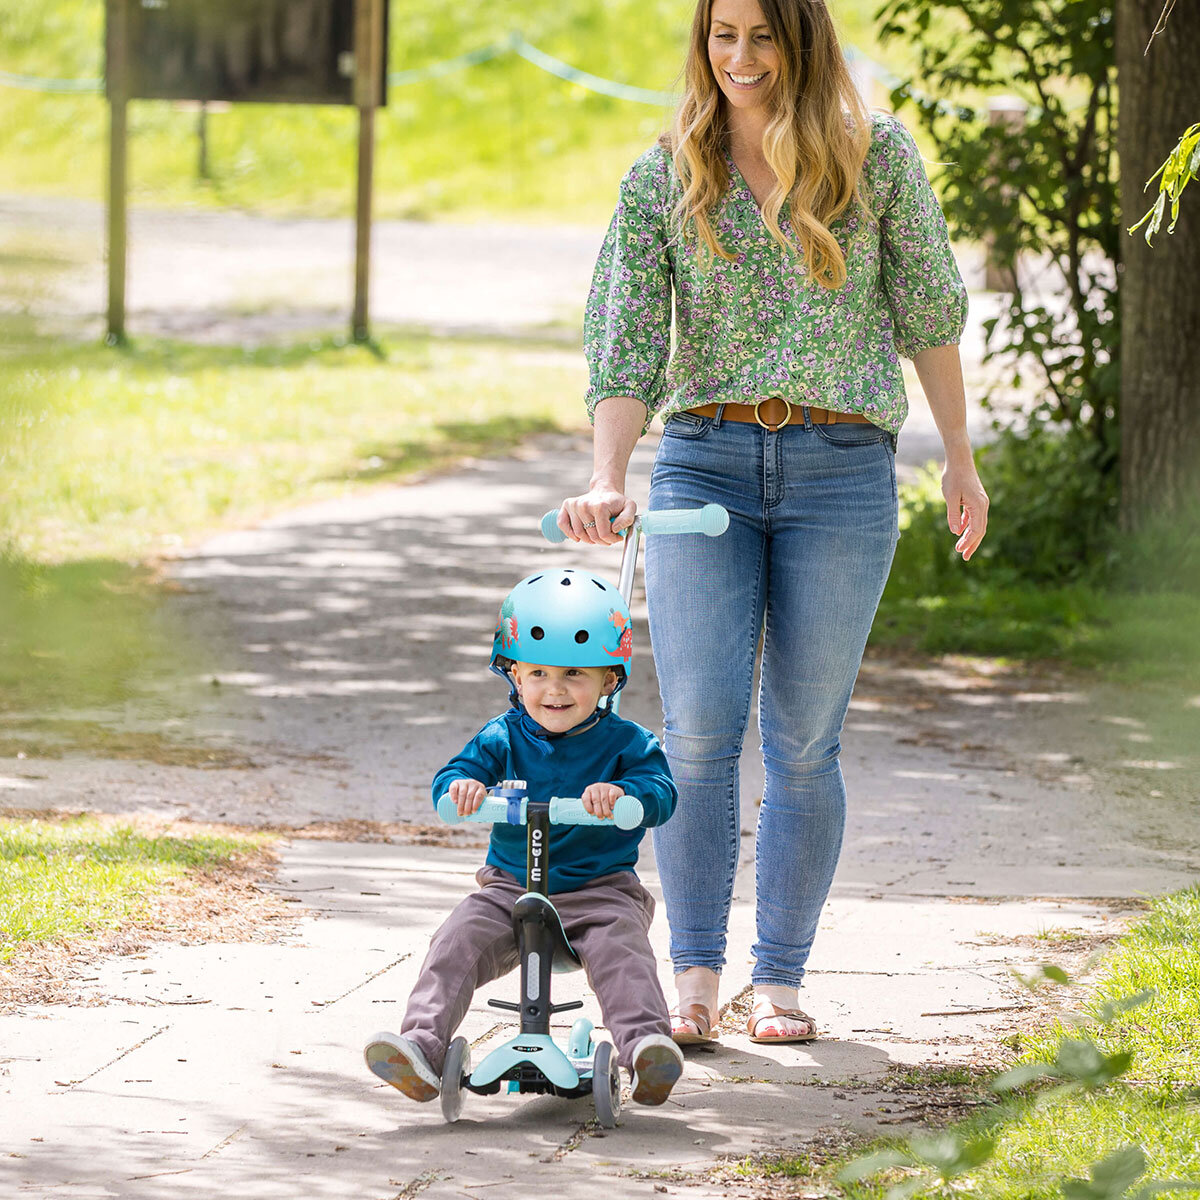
pixel 492 809
pixel 564 810
pixel 712 520
pixel 568 810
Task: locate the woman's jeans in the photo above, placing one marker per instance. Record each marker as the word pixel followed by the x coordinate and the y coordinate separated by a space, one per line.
pixel 811 535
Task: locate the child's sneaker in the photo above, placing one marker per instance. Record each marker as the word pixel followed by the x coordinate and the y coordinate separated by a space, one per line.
pixel 657 1064
pixel 398 1061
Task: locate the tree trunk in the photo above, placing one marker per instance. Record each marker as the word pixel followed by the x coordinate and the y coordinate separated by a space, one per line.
pixel 1160 286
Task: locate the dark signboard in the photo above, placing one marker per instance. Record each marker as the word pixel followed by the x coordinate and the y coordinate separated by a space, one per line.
pixel 262 51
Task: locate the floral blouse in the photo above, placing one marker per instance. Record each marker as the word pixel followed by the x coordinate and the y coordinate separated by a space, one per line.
pixel 757 326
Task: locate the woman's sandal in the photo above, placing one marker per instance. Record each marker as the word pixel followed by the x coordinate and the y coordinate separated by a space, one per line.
pixel 764 1010
pixel 697 1017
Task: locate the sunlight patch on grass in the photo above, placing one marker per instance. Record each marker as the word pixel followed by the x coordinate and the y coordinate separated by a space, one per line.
pixel 84 875
pixel 122 454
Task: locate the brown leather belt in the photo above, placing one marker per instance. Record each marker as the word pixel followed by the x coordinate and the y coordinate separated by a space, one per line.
pixel 775 413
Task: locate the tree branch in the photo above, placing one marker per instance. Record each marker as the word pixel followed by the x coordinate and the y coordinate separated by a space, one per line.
pixel 1161 26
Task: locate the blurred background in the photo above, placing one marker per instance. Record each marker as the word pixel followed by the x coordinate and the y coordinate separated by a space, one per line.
pixel 238 391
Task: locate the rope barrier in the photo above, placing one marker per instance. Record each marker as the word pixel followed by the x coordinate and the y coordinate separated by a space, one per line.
pixel 593 83
pixel 448 66
pixel 35 83
pixel 514 44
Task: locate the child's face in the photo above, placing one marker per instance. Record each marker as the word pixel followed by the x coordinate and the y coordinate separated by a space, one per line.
pixel 559 698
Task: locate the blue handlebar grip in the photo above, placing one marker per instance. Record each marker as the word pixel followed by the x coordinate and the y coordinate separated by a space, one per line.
pixel 550 529
pixel 494 810
pixel 569 810
pixel 712 520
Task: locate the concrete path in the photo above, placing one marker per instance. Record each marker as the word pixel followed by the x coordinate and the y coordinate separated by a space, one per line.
pixel 341 648
pixel 989 813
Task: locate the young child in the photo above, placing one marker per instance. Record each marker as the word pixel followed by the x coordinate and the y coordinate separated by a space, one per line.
pixel 564 643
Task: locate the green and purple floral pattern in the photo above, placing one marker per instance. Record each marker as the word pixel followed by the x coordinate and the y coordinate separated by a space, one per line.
pixel 757 326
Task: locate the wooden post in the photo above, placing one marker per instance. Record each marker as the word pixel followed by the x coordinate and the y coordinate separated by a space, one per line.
pixel 1010 112
pixel 202 141
pixel 368 60
pixel 117 77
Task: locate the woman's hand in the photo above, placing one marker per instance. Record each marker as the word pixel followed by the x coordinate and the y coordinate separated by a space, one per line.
pixel 597 516
pixel 966 503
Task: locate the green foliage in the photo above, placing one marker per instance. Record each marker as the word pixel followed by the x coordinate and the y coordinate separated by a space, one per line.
pixel 944 1157
pixel 1041 192
pixel 1131 1075
pixel 1181 167
pixel 1044 189
pixel 1148 999
pixel 957 1157
pixel 1054 574
pixel 1055 509
pixel 1078 1062
pixel 1112 1177
pixel 1053 578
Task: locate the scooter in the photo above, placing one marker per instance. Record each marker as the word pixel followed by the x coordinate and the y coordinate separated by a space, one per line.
pixel 532 1061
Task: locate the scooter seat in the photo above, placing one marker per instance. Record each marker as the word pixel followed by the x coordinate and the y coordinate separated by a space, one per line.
pixel 534 908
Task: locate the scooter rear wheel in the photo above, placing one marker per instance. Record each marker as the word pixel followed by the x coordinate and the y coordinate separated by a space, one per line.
pixel 606 1085
pixel 457 1067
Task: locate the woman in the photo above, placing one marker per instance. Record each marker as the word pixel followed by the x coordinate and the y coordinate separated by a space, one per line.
pixel 803 249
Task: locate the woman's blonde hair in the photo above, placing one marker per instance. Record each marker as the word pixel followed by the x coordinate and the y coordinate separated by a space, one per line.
pixel 816 138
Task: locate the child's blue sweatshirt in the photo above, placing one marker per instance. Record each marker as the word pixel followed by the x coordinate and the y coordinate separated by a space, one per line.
pixel 612 750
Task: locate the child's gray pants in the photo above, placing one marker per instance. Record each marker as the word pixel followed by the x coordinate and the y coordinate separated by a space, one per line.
pixel 606 921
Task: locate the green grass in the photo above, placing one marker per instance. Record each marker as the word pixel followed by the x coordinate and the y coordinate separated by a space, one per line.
pixel 120 454
pixel 51 656
pixel 1162 953
pixel 111 457
pixel 83 876
pixel 1041 1137
pixel 1126 607
pixel 503 138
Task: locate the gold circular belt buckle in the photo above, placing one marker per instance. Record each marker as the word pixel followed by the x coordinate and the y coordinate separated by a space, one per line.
pixel 787 414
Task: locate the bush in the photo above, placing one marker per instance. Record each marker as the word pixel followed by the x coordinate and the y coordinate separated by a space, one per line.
pixel 1053 518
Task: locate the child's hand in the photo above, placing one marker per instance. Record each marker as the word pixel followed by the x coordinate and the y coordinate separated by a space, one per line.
pixel 599 798
pixel 468 795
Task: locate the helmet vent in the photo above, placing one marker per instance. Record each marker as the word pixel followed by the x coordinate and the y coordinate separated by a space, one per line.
pixel 565 582
pixel 533 580
pixel 600 585
pixel 581 636
pixel 537 633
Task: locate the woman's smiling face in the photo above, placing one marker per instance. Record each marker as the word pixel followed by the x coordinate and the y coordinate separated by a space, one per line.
pixel 742 52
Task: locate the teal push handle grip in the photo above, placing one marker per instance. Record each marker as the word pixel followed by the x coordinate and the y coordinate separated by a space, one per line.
pixel 493 809
pixel 712 520
pixel 550 529
pixel 569 810
pixel 564 810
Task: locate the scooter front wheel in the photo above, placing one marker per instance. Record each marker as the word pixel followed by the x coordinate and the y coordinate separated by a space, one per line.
pixel 606 1085
pixel 457 1067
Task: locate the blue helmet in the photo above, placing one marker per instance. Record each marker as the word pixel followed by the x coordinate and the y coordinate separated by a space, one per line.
pixel 564 618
